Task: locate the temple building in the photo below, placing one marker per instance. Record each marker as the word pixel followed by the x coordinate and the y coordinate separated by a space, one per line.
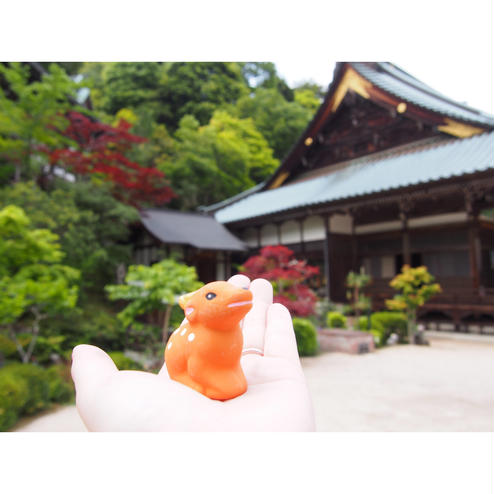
pixel 388 172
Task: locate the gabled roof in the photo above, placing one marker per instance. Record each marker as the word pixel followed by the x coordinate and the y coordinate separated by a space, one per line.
pixel 198 230
pixel 418 164
pixel 396 81
pixel 389 87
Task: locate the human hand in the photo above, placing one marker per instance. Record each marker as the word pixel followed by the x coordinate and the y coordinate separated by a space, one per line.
pixel 277 397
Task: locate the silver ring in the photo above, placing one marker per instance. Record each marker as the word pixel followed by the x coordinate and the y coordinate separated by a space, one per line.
pixel 252 351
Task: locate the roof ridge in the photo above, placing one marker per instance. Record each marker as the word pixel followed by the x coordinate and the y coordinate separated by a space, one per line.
pixel 427 89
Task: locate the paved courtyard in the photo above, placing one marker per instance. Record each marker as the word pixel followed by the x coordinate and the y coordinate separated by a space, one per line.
pixel 448 386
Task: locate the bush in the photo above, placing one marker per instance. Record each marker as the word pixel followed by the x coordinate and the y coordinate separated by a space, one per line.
pixel 7 346
pixel 383 324
pixel 28 388
pixel 392 322
pixel 336 320
pixel 123 362
pixel 14 393
pixel 306 335
pixel 37 384
pixel 60 382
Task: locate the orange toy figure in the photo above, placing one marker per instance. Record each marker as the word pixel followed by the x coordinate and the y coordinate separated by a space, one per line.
pixel 204 352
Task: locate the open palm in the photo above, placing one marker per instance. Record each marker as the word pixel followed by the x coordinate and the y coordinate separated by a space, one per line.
pixel 277 398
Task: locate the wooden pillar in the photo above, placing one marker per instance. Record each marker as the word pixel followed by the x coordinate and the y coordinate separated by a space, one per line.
pixel 258 230
pixel 301 228
pixel 278 232
pixel 405 240
pixel 474 246
pixel 405 207
pixel 227 266
pixel 354 242
pixel 327 246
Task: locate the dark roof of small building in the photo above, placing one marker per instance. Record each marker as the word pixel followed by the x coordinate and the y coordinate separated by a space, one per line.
pixel 198 230
pixel 418 163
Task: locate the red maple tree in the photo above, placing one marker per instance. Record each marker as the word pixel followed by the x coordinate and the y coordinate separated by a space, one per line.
pixel 287 275
pixel 100 149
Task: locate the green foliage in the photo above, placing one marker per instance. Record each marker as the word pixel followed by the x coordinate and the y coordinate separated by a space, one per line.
pixel 415 286
pixel 383 324
pixel 34 117
pixel 199 89
pixel 306 335
pixel 7 346
pixel 26 389
pixel 130 84
pixel 153 288
pixel 216 161
pixel 280 121
pixel 356 283
pixel 123 362
pixel 84 218
pixel 14 393
pixel 33 285
pixel 336 320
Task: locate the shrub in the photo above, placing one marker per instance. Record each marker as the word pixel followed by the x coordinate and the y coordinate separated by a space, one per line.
pixel 306 335
pixel 123 362
pixel 7 346
pixel 28 388
pixel 383 324
pixel 14 394
pixel 37 383
pixel 392 322
pixel 335 320
pixel 60 383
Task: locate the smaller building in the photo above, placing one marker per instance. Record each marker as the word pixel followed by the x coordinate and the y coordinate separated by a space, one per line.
pixel 193 238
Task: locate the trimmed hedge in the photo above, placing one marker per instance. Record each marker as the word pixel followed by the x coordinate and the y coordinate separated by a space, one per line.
pixel 306 335
pixel 383 324
pixel 27 388
pixel 336 320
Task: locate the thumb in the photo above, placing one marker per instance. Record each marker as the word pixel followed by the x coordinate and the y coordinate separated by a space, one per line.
pixel 90 366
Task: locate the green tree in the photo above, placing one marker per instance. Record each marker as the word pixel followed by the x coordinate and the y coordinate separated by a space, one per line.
pixel 130 85
pixel 92 226
pixel 356 282
pixel 33 283
pixel 216 161
pixel 153 288
pixel 199 89
pixel 280 121
pixel 415 286
pixel 31 116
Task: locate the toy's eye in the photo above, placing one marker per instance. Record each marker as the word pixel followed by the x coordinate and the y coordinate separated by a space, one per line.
pixel 210 295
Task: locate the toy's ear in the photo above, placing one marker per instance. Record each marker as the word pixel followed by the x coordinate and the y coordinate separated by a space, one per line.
pixel 190 313
pixel 184 299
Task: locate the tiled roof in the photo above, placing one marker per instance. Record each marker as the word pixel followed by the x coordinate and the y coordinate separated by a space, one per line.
pixel 368 175
pixel 198 230
pixel 397 82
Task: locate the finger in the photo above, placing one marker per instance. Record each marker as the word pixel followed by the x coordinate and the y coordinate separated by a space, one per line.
pixel 254 325
pixel 280 338
pixel 240 280
pixel 90 366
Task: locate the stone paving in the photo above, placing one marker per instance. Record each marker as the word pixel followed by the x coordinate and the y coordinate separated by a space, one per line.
pixel 448 386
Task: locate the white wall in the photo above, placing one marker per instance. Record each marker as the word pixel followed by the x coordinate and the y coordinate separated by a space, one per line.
pixel 290 232
pixel 314 229
pixel 269 235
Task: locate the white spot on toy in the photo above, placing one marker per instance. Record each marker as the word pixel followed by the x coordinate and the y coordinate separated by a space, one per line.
pixel 191 336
